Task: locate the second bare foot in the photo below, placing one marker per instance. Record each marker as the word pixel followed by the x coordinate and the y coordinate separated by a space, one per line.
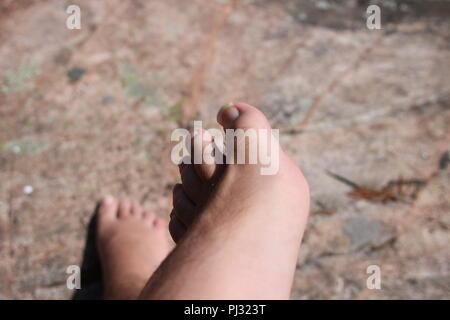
pixel 132 243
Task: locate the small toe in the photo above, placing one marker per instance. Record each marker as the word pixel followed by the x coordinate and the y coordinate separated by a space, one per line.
pixel 202 144
pixel 149 216
pixel 124 209
pixel 176 228
pixel 184 208
pixel 136 210
pixel 108 209
pixel 191 182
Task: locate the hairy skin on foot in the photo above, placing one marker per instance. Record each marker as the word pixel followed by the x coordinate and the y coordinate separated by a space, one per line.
pixel 238 238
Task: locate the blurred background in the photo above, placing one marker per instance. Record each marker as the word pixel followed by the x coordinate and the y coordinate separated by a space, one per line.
pixel 364 113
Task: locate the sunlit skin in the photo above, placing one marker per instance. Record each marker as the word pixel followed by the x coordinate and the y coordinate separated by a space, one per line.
pixel 238 232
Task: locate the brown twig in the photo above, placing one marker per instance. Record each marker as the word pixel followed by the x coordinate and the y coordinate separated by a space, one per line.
pixel 190 108
pixel 394 190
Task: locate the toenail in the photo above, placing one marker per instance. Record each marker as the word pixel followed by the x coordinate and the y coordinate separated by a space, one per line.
pixel 228 113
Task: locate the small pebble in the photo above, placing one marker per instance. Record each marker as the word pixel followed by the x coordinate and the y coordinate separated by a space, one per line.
pixel 16 149
pixel 322 5
pixel 302 16
pixel 75 74
pixel 107 100
pixel 28 189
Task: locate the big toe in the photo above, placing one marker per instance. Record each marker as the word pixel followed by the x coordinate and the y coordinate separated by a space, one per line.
pixel 254 141
pixel 241 115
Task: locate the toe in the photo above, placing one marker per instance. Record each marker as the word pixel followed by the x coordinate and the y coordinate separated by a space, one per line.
pixel 242 115
pixel 136 210
pixel 255 142
pixel 108 209
pixel 149 216
pixel 176 228
pixel 184 208
pixel 124 209
pixel 191 182
pixel 202 144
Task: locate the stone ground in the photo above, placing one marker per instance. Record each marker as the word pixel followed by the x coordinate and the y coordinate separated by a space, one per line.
pixel 89 112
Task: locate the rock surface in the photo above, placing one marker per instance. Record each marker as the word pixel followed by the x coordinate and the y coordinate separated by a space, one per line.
pixel 382 111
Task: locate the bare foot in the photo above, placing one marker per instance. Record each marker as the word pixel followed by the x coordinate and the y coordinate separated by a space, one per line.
pixel 238 237
pixel 132 243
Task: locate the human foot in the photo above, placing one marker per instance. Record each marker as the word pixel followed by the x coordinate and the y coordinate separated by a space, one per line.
pixel 132 243
pixel 243 231
pixel 198 180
